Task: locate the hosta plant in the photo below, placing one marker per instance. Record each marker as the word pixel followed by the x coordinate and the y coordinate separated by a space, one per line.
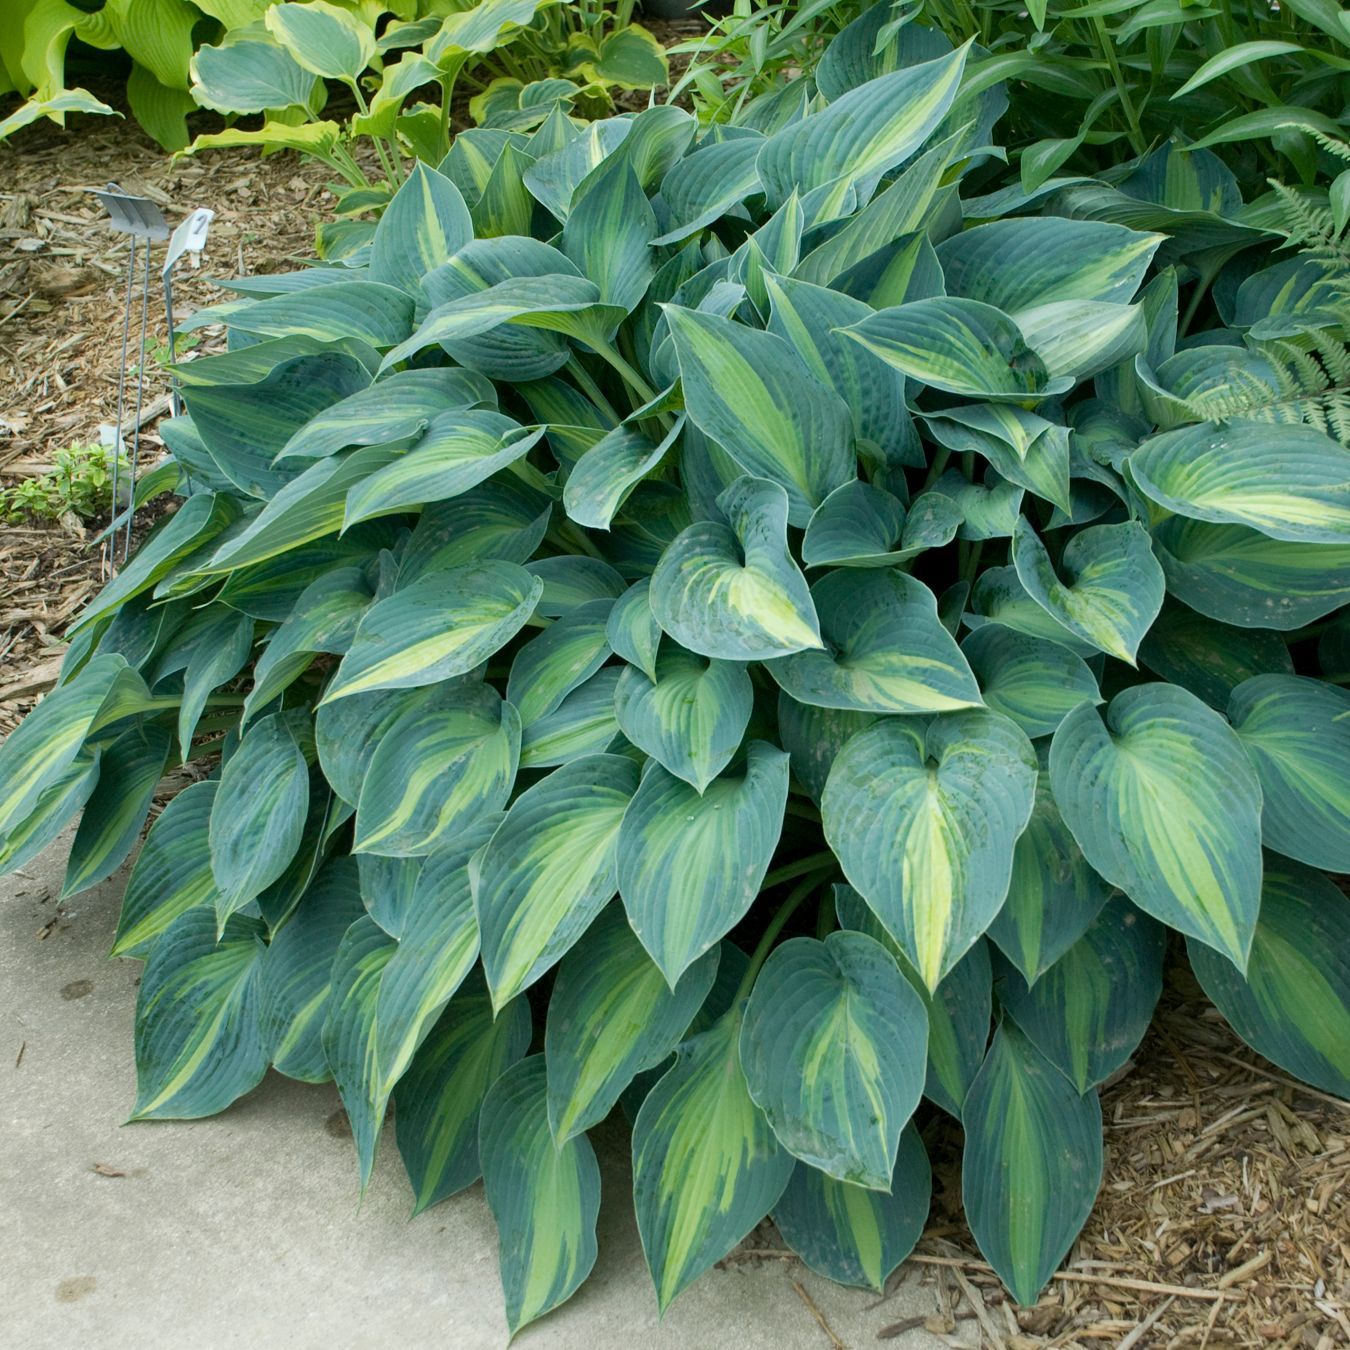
pixel 734 628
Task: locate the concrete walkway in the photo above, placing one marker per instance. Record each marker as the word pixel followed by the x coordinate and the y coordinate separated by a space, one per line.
pixel 244 1230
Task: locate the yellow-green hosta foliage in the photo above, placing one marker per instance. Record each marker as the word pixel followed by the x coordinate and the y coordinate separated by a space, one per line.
pixel 745 627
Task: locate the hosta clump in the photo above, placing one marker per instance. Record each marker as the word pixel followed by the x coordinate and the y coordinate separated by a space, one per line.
pixel 742 628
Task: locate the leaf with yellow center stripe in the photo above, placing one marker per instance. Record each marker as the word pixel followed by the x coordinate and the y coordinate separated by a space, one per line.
pixel 834 1048
pixel 853 1235
pixel 1035 682
pixel 733 591
pixel 706 1166
pixel 423 226
pixel 549 869
pixel 567 653
pixel 1296 732
pixel 1294 1005
pixel 612 1015
pixel 1032 1165
pixel 544 1197
pixel 924 820
pixel 1165 804
pixel 690 864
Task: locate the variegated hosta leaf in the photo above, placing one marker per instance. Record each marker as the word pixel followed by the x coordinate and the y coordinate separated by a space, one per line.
pixel 567 653
pixel 367 310
pixel 1115 587
pixel 691 716
pixel 1296 732
pixel 834 1049
pixel 887 650
pixel 1208 658
pixel 998 597
pixel 1032 1165
pixel 443 624
pixel 1034 682
pixel 608 235
pixel 853 1235
pixel 438 768
pixel 1294 1004
pixel 605 475
pixel 258 817
pixel 544 1196
pixel 1022 446
pixel 388 885
pixel 425 224
pixel 931 849
pixel 1165 804
pixel 549 869
pixel 437 1101
pixel 690 864
pixel 611 1015
pixel 632 629
pixel 347 734
pixel 582 724
pixel 813 736
pixel 706 1166
pixel 1088 1012
pixel 859 525
pixel 752 394
pixel 733 591
pixel 1288 482
pixel 199 1042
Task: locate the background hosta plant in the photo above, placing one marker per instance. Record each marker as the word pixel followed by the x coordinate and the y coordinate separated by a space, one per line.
pixel 744 628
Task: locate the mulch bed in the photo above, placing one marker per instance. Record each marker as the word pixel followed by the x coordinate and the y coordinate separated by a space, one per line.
pixel 1224 1216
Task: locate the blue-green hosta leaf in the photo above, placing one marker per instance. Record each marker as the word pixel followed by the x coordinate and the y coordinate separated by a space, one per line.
pixel 1241 576
pixel 442 624
pixel 457 452
pixel 322 38
pixel 853 1235
pixel 834 1049
pixel 1288 482
pixel 606 473
pixel 53 810
pixel 584 723
pixel 425 224
pixel 502 518
pixel 1294 1005
pixel 608 236
pixel 887 650
pixel 439 767
pixel 365 310
pixel 1208 658
pixel 1088 1012
pixel 611 1015
pixel 249 76
pixel 269 590
pixel 690 864
pixel 1115 585
pixel 859 525
pixel 348 733
pixel 1032 1165
pixel 1000 598
pixel 223 645
pixel 931 849
pixel 437 1102
pixel 544 1196
pixel 1296 731
pixel 1053 896
pixel 752 394
pixel 632 629
pixel 326 814
pixel 1023 447
pixel 813 736
pixel 1165 804
pixel 199 1042
pixel 732 591
pixel 550 868
pixel 960 346
pixel 1079 338
pixel 129 771
pixel 988 509
pixel 297 972
pixel 706 1166
pixel 1034 682
pixel 388 887
pixel 567 653
pixel 691 717
pixel 572 580
pixel 258 816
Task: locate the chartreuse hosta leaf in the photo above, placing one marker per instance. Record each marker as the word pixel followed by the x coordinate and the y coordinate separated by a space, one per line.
pixel 1088 1012
pixel 690 715
pixel 887 650
pixel 544 1196
pixel 853 1235
pixel 1032 1165
pixel 424 225
pixel 1288 482
pixel 611 1015
pixel 549 869
pixel 446 762
pixel 691 864
pixel 834 1049
pixel 1294 1004
pixel 752 394
pixel 1115 587
pixel 706 1166
pixel 732 591
pixel 199 1041
pixel 437 1101
pixel 860 525
pixel 1165 804
pixel 1296 732
pixel 1034 682
pixel 442 624
pixel 923 819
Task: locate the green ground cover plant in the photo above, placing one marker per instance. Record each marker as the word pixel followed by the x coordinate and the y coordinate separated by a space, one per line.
pixel 79 483
pixel 768 628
